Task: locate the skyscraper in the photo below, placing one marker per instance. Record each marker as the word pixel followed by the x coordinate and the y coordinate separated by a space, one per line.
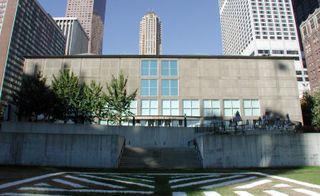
pixel 76 38
pixel 26 30
pixel 150 34
pixel 91 14
pixel 262 28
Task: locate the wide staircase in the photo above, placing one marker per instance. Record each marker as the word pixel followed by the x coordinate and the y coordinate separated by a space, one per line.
pixel 171 158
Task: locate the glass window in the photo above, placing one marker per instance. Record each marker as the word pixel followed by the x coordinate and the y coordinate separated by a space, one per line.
pixel 251 107
pixel 169 87
pixel 231 106
pixel 169 68
pixel 211 108
pixel 170 107
pixel 191 107
pixel 133 107
pixel 149 68
pixel 149 107
pixel 149 88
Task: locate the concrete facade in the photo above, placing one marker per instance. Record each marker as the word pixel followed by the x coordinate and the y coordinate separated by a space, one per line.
pixel 61 150
pixel 281 150
pixel 271 81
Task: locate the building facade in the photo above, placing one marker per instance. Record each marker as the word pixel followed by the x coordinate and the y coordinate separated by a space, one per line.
pixel 150 35
pixel 3 5
pixel 310 31
pixel 262 28
pixel 171 87
pixel 27 29
pixel 91 15
pixel 76 38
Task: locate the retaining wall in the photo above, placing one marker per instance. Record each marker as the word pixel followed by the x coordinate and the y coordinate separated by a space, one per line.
pixel 63 150
pixel 273 150
pixel 135 136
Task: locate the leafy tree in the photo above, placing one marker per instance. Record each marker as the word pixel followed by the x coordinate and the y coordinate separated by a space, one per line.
pixel 316 109
pixel 118 99
pixel 94 101
pixel 306 107
pixel 70 93
pixel 35 98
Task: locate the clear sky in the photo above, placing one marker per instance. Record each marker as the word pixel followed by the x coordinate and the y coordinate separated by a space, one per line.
pixel 188 26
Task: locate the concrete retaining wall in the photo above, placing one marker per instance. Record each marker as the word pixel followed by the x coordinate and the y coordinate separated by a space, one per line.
pixel 225 151
pixel 64 150
pixel 135 136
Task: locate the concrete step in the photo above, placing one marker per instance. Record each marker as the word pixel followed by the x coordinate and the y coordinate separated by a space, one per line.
pixel 171 158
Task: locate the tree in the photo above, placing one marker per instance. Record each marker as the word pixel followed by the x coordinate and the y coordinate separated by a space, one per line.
pixel 316 109
pixel 118 100
pixel 306 107
pixel 94 101
pixel 34 98
pixel 70 93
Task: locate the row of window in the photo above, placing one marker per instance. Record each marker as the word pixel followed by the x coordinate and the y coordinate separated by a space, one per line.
pixel 168 68
pixel 150 88
pixel 251 107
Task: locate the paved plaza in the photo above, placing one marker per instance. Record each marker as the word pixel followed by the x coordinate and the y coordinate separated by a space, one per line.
pixel 175 184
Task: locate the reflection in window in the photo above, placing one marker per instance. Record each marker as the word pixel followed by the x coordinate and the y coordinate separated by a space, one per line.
pixel 251 107
pixel 149 68
pixel 169 87
pixel 231 106
pixel 169 68
pixel 191 107
pixel 149 88
pixel 211 108
pixel 149 107
pixel 170 107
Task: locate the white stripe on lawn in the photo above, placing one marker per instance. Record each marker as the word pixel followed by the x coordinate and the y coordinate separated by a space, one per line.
pixel 65 182
pixel 281 186
pixel 275 193
pixel 85 190
pixel 141 176
pixel 243 193
pixel 95 182
pixel 179 194
pixel 10 184
pixel 191 178
pixel 254 184
pixel 26 194
pixel 43 184
pixel 211 193
pixel 205 181
pixel 307 192
pixel 229 182
pixel 121 181
pixel 131 178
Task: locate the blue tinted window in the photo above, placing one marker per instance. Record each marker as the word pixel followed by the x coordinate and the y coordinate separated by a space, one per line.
pixel 149 88
pixel 149 68
pixel 169 87
pixel 169 68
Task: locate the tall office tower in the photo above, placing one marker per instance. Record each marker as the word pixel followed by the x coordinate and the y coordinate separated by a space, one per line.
pixel 150 35
pixel 76 38
pixel 3 5
pixel 310 30
pixel 262 28
pixel 27 30
pixel 91 14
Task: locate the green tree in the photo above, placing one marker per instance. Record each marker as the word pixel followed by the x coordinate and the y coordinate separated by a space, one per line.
pixel 316 109
pixel 118 99
pixel 70 93
pixel 306 107
pixel 94 101
pixel 35 98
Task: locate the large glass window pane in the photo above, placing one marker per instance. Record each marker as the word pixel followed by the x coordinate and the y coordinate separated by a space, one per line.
pixel 170 107
pixel 231 107
pixel 169 68
pixel 251 107
pixel 149 87
pixel 153 68
pixel 211 108
pixel 133 107
pixel 165 68
pixel 191 107
pixel 149 107
pixel 149 68
pixel 169 87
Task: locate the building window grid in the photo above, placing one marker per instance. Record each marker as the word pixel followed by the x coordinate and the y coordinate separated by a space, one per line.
pixel 251 107
pixel 170 107
pixel 231 106
pixel 211 108
pixel 149 107
pixel 191 107
pixel 149 88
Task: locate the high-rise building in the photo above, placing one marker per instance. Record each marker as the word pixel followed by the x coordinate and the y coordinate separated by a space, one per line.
pixel 150 35
pixel 310 31
pixel 3 5
pixel 91 15
pixel 302 9
pixel 76 38
pixel 262 28
pixel 26 30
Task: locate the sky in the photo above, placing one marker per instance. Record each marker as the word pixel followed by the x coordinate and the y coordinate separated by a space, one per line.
pixel 190 27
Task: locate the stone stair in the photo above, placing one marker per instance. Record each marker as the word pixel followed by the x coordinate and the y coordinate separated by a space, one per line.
pixel 170 158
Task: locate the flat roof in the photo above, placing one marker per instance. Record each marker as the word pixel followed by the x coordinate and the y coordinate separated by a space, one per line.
pixel 163 56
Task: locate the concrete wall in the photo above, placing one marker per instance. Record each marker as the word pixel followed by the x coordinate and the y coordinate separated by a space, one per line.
pixel 225 151
pixel 63 150
pixel 135 136
pixel 271 80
